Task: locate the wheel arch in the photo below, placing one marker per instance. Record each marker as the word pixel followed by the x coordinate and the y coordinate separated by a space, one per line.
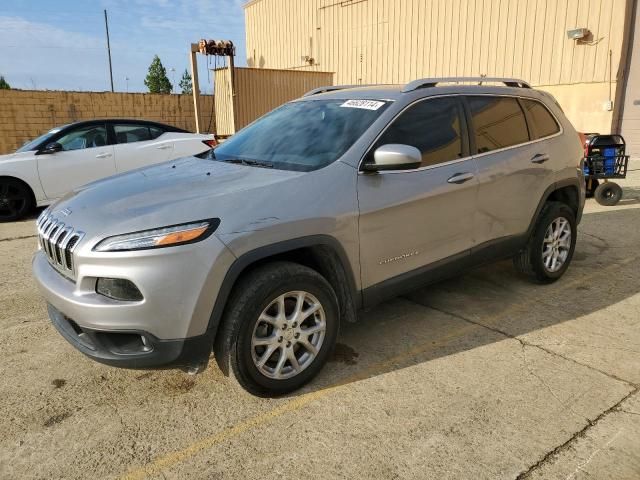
pixel 322 253
pixel 567 192
pixel 23 182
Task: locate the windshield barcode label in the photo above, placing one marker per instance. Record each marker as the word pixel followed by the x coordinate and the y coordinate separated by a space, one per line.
pixel 366 104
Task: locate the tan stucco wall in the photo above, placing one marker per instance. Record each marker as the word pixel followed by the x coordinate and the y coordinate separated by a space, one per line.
pixel 25 114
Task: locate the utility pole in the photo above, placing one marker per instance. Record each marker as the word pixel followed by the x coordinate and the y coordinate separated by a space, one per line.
pixel 106 26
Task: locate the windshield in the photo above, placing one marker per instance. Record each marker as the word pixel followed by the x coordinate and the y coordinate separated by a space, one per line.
pixel 32 144
pixel 301 136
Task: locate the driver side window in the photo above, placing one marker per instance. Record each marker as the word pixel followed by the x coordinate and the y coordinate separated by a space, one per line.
pixel 433 126
pixel 85 137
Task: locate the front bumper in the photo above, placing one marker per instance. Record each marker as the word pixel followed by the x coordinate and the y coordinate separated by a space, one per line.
pixel 167 328
pixel 133 349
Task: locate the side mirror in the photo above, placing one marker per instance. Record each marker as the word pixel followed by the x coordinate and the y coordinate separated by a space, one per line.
pixel 50 148
pixel 394 156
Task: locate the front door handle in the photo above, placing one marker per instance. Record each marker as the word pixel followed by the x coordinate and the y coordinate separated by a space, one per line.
pixel 163 147
pixel 540 158
pixel 460 177
pixel 103 155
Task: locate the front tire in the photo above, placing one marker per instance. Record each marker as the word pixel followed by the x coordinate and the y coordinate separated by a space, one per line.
pixel 551 245
pixel 279 328
pixel 15 200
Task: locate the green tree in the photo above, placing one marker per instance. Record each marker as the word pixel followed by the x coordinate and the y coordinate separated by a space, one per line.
pixel 3 84
pixel 157 81
pixel 185 82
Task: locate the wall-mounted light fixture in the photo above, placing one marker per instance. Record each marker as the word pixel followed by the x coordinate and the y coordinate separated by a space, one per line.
pixel 578 33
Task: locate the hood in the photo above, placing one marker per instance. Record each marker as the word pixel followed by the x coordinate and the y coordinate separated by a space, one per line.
pixel 8 156
pixel 179 191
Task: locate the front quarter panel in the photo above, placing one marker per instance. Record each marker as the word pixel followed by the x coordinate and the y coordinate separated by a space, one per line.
pixel 323 202
pixel 24 166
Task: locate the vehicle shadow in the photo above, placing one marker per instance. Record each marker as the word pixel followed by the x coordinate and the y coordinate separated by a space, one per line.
pixel 486 305
pixel 630 196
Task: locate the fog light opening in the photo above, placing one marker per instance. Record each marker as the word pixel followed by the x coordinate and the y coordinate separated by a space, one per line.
pixel 146 344
pixel 118 289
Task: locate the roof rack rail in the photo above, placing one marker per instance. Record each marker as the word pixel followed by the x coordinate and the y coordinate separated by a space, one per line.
pixel 331 88
pixel 432 82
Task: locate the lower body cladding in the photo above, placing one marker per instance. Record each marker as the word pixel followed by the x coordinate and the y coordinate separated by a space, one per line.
pixel 167 326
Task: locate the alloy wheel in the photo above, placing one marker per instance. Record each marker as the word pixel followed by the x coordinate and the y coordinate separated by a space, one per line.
pixel 288 335
pixel 556 244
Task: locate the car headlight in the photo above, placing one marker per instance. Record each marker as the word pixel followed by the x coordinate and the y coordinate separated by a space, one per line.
pixel 159 237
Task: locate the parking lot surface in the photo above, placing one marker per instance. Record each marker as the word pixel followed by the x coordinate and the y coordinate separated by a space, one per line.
pixel 482 376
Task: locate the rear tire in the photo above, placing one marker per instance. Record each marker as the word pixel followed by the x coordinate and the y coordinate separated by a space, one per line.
pixel 269 342
pixel 608 194
pixel 551 245
pixel 15 200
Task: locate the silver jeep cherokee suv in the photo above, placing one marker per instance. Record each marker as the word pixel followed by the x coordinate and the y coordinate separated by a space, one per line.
pixel 325 206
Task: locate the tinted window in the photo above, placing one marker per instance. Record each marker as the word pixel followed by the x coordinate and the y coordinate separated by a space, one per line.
pixel 302 135
pixel 432 126
pixel 84 137
pixel 498 122
pixel 129 133
pixel 155 132
pixel 42 139
pixel 543 122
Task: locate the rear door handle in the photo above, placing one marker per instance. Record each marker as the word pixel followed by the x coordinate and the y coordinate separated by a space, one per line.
pixel 540 158
pixel 460 177
pixel 163 147
pixel 103 155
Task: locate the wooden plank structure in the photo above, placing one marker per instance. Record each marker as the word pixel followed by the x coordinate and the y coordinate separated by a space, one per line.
pixel 244 94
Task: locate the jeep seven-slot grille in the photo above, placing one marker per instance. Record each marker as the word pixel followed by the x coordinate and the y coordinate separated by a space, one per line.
pixel 58 241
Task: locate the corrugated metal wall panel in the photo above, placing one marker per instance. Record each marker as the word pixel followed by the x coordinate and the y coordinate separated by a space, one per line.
pixel 257 91
pixel 394 41
pixel 223 102
pixel 631 112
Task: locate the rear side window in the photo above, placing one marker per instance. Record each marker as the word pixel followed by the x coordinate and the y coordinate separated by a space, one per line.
pixel 432 126
pixel 543 122
pixel 129 133
pixel 498 122
pixel 155 132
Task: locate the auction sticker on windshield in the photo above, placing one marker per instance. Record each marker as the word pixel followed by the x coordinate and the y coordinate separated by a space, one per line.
pixel 366 104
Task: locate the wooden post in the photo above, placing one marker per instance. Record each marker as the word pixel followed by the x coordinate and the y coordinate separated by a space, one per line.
pixel 195 86
pixel 232 84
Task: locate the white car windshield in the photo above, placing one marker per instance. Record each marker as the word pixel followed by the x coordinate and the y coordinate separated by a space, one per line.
pixel 302 136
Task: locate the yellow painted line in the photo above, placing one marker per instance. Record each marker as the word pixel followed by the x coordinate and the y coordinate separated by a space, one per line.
pixel 178 456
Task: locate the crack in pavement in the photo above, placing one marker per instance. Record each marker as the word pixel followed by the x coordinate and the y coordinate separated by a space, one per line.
pixel 580 467
pixel 524 342
pixel 11 239
pixel 629 412
pixel 579 434
pixel 548 387
pixel 590 423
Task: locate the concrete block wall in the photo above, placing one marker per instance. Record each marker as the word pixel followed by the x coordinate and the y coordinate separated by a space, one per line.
pixel 25 114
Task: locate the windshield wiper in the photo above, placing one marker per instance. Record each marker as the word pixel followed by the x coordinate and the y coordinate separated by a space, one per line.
pixel 251 163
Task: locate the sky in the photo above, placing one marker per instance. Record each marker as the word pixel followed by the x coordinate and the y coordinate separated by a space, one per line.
pixel 61 44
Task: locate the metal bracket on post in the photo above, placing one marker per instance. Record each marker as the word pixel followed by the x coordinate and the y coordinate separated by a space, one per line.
pixel 222 48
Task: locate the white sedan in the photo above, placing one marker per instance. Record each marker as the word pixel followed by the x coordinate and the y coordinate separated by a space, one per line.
pixel 70 156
